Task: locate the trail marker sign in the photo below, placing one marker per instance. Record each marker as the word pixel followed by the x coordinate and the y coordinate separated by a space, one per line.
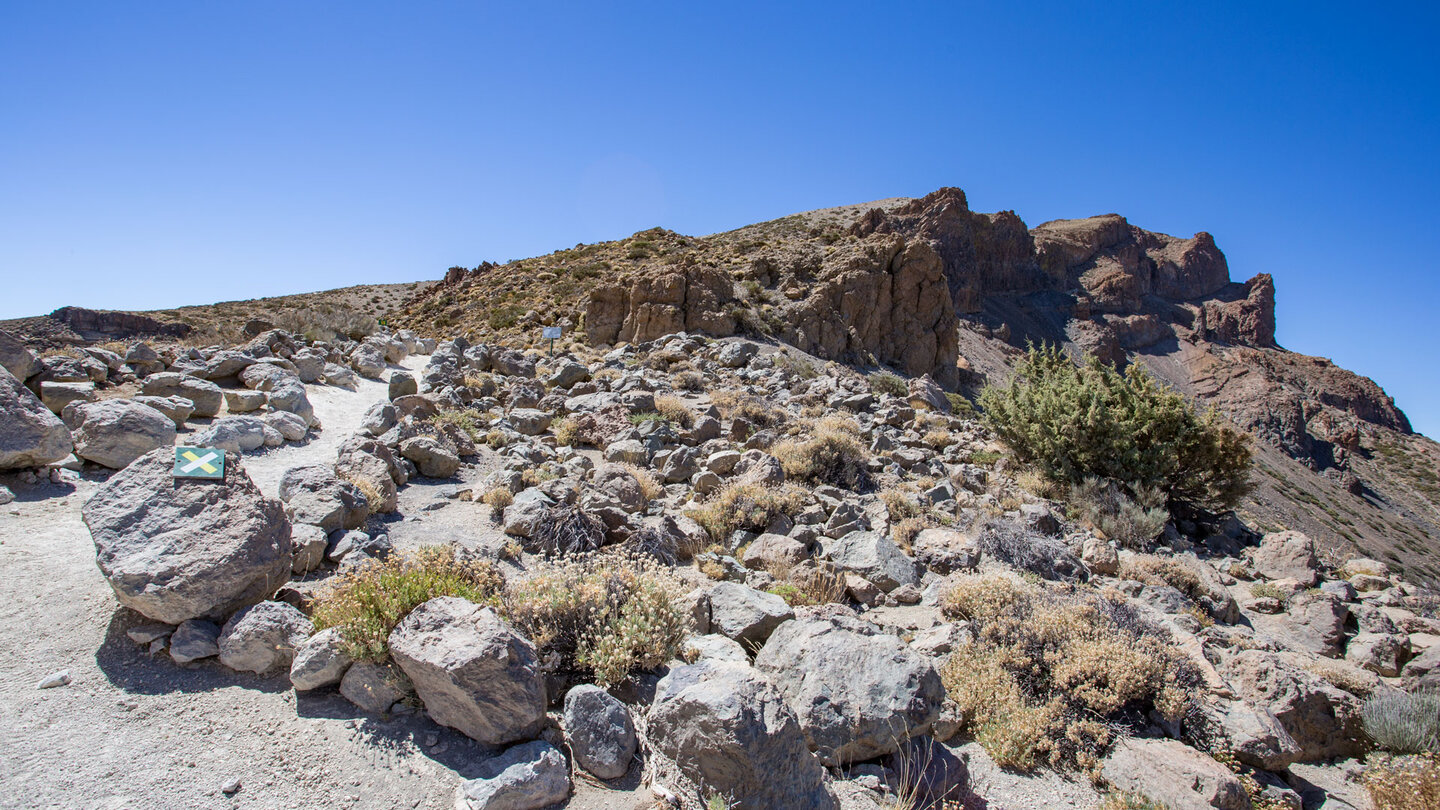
pixel 199 462
pixel 551 333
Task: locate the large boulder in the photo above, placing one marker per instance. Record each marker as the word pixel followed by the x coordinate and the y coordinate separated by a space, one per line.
pixel 314 494
pixel 525 777
pixel 115 432
pixel 263 637
pixel 746 615
pixel 30 435
pixel 16 358
pixel 848 717
pixel 600 731
pixel 754 751
pixel 1173 774
pixel 178 549
pixel 206 396
pixel 1322 719
pixel 1313 622
pixel 474 672
pixel 873 556
pixel 1287 555
pixel 431 458
pixel 237 434
pixel 176 407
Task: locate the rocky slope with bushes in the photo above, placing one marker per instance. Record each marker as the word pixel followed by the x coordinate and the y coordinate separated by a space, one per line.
pixel 927 286
pixel 685 571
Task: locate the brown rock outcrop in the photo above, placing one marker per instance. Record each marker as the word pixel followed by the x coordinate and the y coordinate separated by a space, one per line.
pixel 692 299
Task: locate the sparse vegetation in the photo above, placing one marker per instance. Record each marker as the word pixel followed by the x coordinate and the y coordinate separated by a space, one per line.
pixel 745 506
pixel 1403 723
pixel 600 617
pixel 1133 522
pixel 675 410
pixel 1074 422
pixel 1055 670
pixel 883 382
pixel 1404 783
pixel 832 454
pixel 366 602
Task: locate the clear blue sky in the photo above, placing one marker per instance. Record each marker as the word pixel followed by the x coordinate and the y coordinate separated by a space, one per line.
pixel 164 153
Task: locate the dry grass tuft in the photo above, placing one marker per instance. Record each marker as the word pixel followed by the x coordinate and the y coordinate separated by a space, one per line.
pixel 734 404
pixel 1404 783
pixel 746 506
pixel 674 409
pixel 833 454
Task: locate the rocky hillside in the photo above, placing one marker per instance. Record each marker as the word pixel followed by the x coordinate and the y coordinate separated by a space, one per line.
pixel 929 287
pixel 350 311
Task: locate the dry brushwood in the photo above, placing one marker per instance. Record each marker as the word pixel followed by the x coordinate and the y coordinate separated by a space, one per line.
pixel 568 530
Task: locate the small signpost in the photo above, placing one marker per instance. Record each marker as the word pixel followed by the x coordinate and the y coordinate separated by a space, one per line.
pixel 199 462
pixel 551 333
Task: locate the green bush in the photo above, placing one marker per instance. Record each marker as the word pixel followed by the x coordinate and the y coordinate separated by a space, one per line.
pixel 883 382
pixel 1077 421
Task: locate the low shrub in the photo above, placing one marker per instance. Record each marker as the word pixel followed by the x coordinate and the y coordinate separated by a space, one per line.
pixel 567 530
pixel 1267 590
pixel 1153 570
pixel 1404 783
pixel 674 409
pixel 691 381
pixel 1055 671
pixel 883 382
pixel 593 428
pixel 466 422
pixel 1018 547
pixel 798 366
pixel 746 506
pixel 734 404
pixel 898 506
pixel 366 602
pixel 961 406
pixel 600 617
pixel 1403 723
pixel 497 499
pixel 1133 522
pixel 1130 801
pixel 1077 421
pixel 832 454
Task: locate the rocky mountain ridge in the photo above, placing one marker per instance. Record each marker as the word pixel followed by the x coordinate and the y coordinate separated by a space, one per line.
pixel 929 287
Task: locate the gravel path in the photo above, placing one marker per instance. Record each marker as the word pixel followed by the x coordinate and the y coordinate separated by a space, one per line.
pixel 132 731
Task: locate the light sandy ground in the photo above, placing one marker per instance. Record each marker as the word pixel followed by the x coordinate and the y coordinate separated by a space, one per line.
pixel 132 731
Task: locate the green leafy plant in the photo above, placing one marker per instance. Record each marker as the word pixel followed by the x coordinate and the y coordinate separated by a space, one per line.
pixel 1076 421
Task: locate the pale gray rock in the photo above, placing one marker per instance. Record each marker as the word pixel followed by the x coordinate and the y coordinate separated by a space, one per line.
pixel 375 687
pixel 314 494
pixel 529 421
pixel 525 777
pixel 115 432
pixel 206 397
pixel 1287 555
pixel 432 458
pixel 1175 774
pixel 263 637
pixel 755 750
pixel 235 434
pixel 474 672
pixel 177 550
pixel 873 556
pixel 744 614
pixel 30 435
pixel 244 401
pixel 178 408
pixel 16 357
pixel 291 427
pixel 857 691
pixel 56 395
pixel 319 661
